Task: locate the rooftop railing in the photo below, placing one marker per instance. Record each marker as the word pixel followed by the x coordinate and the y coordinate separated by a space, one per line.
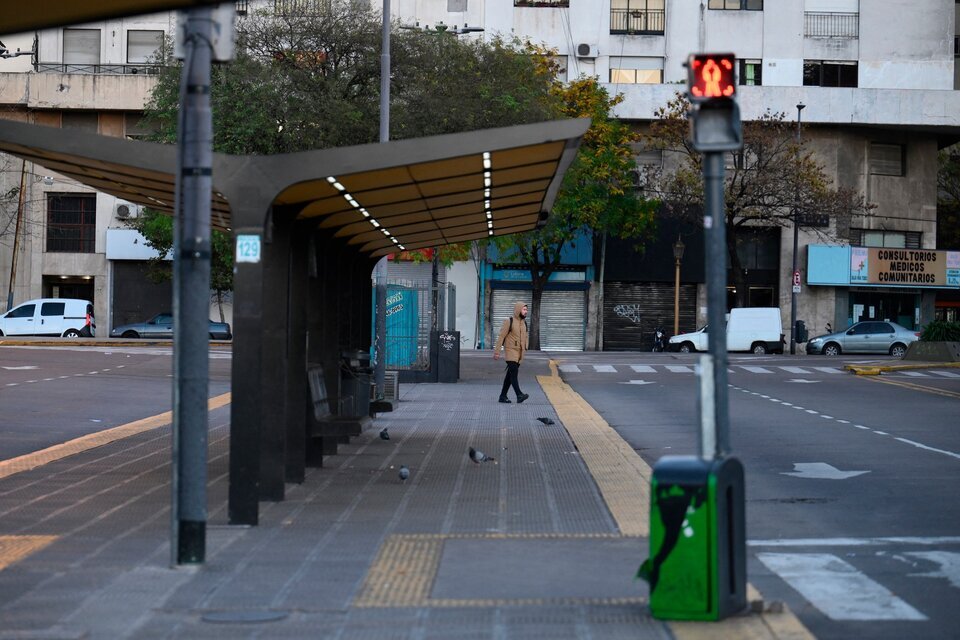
pixel 637 21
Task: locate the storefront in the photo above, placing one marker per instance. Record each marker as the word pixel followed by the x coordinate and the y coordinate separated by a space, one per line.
pixel 563 308
pixel 897 285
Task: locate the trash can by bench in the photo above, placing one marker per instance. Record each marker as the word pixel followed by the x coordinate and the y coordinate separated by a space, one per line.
pixel 355 379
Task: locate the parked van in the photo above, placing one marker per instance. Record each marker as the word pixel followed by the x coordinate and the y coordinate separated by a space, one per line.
pixel 65 317
pixel 755 329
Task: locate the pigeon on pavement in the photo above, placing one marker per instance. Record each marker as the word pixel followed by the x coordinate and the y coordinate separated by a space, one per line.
pixel 479 456
pixel 384 435
pixel 404 473
pixel 546 421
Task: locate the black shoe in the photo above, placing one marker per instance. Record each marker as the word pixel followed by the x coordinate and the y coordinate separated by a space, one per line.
pixel 522 397
pixel 505 399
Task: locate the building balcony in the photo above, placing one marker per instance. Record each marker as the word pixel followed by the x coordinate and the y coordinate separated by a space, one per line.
pixel 825 24
pixel 87 91
pixel 111 69
pixel 637 21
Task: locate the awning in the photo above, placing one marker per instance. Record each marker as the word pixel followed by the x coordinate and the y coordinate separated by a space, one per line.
pixel 412 194
pixel 40 14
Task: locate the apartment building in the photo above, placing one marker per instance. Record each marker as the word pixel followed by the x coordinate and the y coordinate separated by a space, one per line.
pixel 879 83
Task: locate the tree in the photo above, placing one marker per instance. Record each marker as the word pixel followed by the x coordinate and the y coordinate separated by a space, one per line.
pixel 596 196
pixel 772 179
pixel 157 230
pixel 948 199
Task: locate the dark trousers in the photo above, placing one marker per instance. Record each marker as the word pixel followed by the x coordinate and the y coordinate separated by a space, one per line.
pixel 510 380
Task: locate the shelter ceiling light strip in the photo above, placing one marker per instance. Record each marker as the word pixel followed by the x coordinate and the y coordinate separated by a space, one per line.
pixel 487 181
pixel 366 214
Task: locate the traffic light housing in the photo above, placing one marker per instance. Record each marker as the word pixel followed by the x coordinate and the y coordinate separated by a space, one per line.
pixel 712 90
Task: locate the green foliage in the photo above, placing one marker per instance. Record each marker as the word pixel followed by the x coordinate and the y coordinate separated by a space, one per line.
pixel 941 331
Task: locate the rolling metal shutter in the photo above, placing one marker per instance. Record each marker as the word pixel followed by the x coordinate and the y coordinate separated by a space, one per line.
pixel 562 315
pixel 631 312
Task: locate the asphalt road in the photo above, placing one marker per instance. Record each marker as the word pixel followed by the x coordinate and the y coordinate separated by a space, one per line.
pixel 49 395
pixel 836 465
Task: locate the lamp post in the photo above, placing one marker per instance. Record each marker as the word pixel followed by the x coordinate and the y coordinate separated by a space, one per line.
pixel 678 248
pixel 796 231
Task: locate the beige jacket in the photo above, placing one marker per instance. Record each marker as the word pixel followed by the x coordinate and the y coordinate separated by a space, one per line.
pixel 515 339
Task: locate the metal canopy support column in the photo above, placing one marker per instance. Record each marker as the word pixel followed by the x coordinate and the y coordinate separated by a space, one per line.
pixel 297 357
pixel 273 371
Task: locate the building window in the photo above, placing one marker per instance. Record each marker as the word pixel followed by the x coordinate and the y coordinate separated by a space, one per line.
pixel 71 222
pixel 301 7
pixel 81 47
pixel 541 3
pixel 80 120
pixel 884 238
pixel 817 73
pixel 135 127
pixel 636 76
pixel 751 72
pixel 243 7
pixel 637 17
pixel 740 5
pixel 829 24
pixel 887 159
pixel 142 46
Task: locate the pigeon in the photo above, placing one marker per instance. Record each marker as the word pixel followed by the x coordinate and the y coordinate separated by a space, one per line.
pixel 404 473
pixel 479 456
pixel 546 421
pixel 384 435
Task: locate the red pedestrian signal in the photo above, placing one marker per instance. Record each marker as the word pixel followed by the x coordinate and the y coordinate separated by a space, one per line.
pixel 711 75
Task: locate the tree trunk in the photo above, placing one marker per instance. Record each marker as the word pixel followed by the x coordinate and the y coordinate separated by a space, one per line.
pixel 537 296
pixel 735 269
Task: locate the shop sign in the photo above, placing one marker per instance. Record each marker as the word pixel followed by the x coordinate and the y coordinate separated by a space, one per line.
pixel 904 267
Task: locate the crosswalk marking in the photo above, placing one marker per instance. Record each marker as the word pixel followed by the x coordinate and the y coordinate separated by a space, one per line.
pixel 604 368
pixel 946 374
pixel 756 369
pixel 914 374
pixel 642 368
pixel 837 589
pixel 677 368
pixel 794 370
pixel 828 369
pixel 569 368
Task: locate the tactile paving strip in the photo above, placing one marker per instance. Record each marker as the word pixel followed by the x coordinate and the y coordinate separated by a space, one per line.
pixel 15 548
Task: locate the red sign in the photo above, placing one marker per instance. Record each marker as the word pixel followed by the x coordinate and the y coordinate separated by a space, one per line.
pixel 796 278
pixel 712 76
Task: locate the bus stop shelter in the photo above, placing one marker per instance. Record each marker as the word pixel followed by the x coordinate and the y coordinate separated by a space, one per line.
pixel 310 226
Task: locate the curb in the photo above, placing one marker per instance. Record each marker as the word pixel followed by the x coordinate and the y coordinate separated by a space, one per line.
pixel 879 369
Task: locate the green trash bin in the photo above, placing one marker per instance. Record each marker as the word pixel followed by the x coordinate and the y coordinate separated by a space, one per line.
pixel 697 565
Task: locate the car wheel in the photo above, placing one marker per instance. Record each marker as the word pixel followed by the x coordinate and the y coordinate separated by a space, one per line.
pixel 898 350
pixel 760 348
pixel 130 335
pixel 687 347
pixel 832 349
pixel 71 333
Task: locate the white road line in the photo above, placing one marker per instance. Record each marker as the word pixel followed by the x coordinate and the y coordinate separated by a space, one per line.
pixel 946 374
pixel 923 446
pixel 949 565
pixel 12 384
pixel 642 368
pixel 828 369
pixel 860 426
pixel 676 368
pixel 837 589
pixel 754 369
pixel 843 421
pixel 604 368
pixel 881 433
pixel 826 417
pixel 914 374
pixel 854 542
pixel 569 368
pixel 794 370
pixel 812 411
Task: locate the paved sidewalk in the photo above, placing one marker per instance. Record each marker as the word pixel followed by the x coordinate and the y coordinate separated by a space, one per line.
pixel 541 543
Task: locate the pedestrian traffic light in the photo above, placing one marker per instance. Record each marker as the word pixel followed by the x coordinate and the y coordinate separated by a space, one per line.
pixel 712 89
pixel 711 75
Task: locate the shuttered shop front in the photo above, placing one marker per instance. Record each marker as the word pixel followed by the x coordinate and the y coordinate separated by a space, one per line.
pixel 562 316
pixel 631 312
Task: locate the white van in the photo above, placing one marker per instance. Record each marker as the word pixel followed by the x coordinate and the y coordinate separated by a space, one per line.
pixel 65 317
pixel 755 329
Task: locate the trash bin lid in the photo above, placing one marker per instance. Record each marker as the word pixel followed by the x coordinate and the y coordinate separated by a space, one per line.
pixel 683 470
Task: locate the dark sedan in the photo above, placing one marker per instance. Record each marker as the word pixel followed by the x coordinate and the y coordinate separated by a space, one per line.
pixel 161 326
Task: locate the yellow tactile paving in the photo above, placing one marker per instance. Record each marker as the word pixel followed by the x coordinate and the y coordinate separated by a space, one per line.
pixel 406 567
pixel 78 445
pixel 16 548
pixel 621 475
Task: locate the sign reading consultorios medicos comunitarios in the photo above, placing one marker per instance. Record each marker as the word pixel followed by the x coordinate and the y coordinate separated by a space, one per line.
pixel 905 267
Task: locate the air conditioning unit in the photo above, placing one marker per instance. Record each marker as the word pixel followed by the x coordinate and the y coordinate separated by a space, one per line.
pixel 585 50
pixel 126 210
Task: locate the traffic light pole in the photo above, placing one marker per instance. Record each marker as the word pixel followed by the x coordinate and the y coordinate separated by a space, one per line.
pixel 714 223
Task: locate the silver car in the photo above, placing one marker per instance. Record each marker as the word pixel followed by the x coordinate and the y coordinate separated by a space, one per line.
pixel 871 336
pixel 161 326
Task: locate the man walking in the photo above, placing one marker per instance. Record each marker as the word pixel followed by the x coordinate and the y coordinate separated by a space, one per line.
pixel 513 339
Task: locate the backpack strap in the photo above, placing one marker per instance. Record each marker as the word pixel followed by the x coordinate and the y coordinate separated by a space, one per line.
pixel 510 330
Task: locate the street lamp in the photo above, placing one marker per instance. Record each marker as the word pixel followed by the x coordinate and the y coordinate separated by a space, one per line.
pixel 678 248
pixel 795 286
